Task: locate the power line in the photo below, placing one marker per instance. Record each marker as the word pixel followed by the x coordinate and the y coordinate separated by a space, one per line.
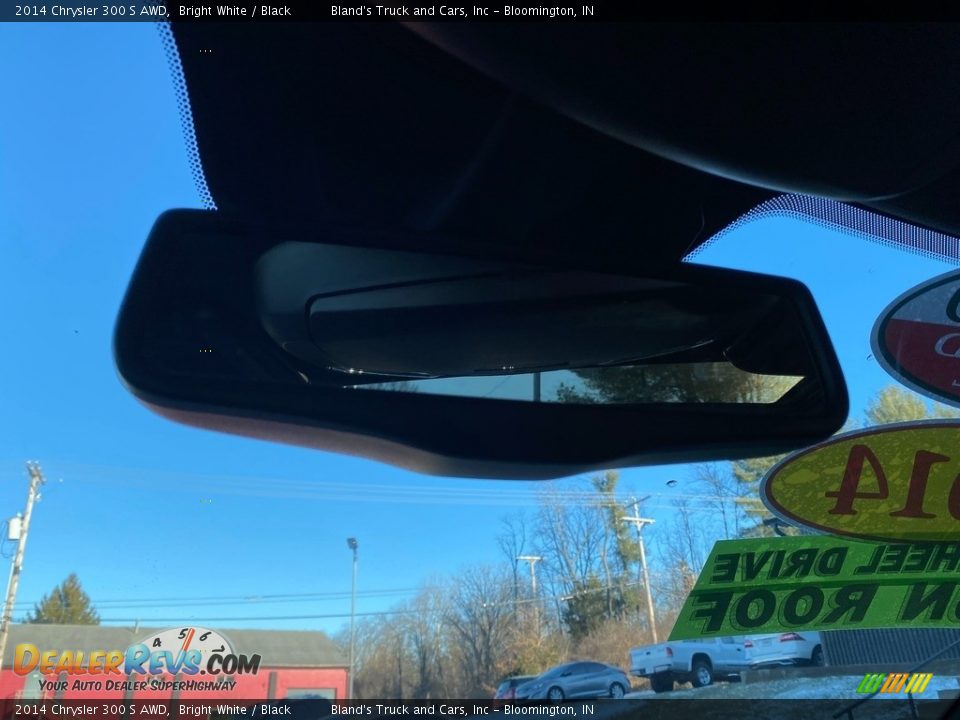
pixel 238 599
pixel 144 604
pixel 181 619
pixel 379 613
pixel 492 493
pixel 257 599
pixel 378 493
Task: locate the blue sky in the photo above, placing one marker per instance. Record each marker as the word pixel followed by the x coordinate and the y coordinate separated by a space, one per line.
pixel 91 151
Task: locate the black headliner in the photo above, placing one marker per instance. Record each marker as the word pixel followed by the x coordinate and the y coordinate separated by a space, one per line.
pixel 370 125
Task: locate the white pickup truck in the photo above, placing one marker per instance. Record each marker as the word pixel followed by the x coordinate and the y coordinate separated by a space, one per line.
pixel 705 660
pixel 697 661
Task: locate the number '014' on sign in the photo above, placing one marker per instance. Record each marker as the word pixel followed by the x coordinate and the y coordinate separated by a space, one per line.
pixel 894 482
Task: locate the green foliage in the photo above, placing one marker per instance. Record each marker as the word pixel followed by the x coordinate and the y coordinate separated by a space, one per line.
pixel 895 404
pixel 626 549
pixel 587 608
pixel 679 382
pixel 748 474
pixel 67 604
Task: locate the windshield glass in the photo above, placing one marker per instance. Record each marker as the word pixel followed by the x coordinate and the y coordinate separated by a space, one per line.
pixel 149 533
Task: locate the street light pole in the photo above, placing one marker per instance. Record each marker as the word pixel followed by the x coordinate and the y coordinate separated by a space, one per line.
pixel 352 544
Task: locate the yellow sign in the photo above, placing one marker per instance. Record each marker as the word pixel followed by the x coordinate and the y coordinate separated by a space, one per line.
pixel 793 584
pixel 894 482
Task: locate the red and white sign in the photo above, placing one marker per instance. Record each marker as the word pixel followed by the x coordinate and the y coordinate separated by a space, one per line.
pixel 917 338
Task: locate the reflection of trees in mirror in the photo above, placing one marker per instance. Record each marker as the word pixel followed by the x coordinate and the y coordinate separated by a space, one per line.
pixel 682 383
pixel 406 386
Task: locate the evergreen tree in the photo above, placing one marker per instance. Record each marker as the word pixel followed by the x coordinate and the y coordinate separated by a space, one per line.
pixel 67 604
pixel 586 608
pixel 894 404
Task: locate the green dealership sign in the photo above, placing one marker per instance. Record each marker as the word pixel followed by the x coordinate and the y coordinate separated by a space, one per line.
pixel 821 583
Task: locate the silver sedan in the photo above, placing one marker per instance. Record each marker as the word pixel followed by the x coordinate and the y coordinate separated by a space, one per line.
pixel 576 680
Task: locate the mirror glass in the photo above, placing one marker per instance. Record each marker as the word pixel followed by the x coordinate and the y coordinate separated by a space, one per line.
pixel 708 382
pixel 387 321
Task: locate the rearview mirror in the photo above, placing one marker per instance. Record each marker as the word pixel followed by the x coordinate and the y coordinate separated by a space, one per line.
pixel 469 364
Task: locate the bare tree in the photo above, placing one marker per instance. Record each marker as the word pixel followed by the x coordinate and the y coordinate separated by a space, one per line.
pixel 681 547
pixel 724 490
pixel 423 626
pixel 691 533
pixel 458 638
pixel 480 616
pixel 570 538
pixel 380 650
pixel 512 541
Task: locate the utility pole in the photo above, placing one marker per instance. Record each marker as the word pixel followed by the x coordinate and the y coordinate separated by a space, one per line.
pixel 33 494
pixel 533 560
pixel 352 544
pixel 638 522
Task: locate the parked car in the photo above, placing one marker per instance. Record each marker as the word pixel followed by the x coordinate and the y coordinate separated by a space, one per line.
pixel 576 680
pixel 788 648
pixel 698 661
pixel 507 689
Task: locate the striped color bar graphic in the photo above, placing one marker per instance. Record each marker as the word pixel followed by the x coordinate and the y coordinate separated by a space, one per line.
pixel 894 682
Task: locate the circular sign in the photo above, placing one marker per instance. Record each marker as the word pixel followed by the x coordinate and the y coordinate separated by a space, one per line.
pixel 893 482
pixel 917 338
pixel 187 638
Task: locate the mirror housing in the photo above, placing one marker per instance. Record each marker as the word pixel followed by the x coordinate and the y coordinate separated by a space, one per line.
pixel 451 359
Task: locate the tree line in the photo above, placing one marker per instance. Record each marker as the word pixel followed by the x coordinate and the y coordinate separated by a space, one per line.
pixel 460 635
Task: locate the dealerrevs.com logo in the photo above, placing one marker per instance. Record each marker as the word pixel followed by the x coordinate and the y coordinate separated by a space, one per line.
pixel 189 651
